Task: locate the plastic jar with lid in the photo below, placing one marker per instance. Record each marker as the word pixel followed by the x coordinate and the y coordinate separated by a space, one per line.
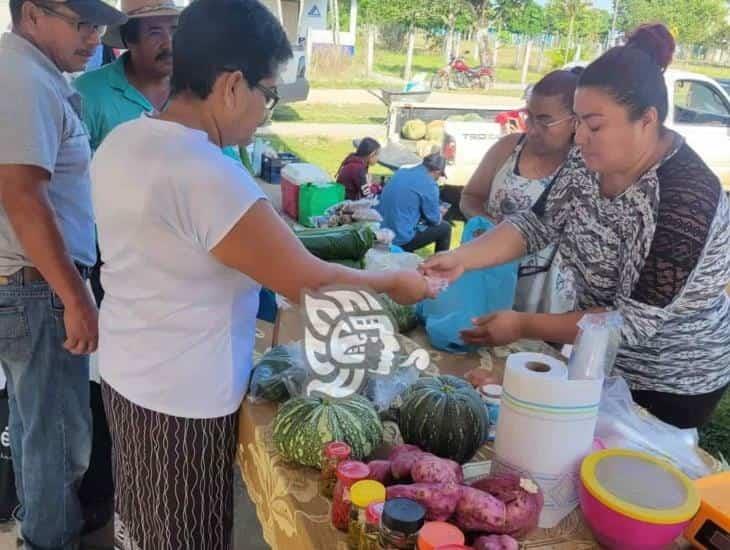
pixel 435 534
pixel 400 524
pixel 348 473
pixel 369 537
pixel 363 494
pixel 333 454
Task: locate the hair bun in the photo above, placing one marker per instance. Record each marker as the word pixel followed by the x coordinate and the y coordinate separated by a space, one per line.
pixel 577 70
pixel 656 41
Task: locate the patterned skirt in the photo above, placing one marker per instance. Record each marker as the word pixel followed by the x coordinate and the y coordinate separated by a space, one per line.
pixel 173 478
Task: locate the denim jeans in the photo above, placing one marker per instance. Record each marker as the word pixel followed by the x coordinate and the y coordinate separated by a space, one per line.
pixel 50 420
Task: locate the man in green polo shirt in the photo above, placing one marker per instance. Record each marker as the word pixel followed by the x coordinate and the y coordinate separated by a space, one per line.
pixel 139 81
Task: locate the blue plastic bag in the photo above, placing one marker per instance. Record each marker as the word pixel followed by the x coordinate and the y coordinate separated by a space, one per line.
pixel 474 294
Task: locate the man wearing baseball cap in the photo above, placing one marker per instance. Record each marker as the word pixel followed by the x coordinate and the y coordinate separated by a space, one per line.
pixel 410 206
pixel 48 319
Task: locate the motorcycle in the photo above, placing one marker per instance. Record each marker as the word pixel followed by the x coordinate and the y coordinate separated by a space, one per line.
pixel 457 74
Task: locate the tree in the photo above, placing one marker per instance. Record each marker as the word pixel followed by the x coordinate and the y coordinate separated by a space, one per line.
pixel 528 20
pixel 563 15
pixel 691 21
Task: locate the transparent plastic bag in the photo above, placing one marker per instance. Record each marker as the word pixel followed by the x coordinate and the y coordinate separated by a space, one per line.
pixel 279 374
pixel 383 260
pixel 384 391
pixel 596 346
pixel 623 424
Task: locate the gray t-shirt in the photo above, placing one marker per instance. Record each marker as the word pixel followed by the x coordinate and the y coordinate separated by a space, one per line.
pixel 40 126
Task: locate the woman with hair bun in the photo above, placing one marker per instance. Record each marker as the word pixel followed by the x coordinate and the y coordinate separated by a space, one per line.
pixel 642 226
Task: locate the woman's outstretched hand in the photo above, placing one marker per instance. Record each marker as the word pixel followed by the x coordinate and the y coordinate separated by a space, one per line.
pixel 498 329
pixel 444 265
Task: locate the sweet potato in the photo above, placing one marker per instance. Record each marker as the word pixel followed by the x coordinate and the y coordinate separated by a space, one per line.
pixel 439 499
pixel 400 449
pixel 496 542
pixel 380 471
pixel 480 511
pixel 402 464
pixel 432 469
pixel 522 498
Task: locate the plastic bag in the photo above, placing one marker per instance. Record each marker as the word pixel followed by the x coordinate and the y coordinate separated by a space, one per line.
pixel 474 294
pixel 623 424
pixel 281 373
pixel 377 259
pixel 383 391
pixel 596 346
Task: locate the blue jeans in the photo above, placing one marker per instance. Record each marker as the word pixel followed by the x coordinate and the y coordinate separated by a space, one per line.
pixel 50 420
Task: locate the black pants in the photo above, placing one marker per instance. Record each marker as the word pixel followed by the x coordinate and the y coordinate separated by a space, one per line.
pixel 683 411
pixel 97 488
pixel 439 234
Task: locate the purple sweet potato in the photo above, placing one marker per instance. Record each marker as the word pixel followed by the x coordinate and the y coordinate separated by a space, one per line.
pixel 432 469
pixel 439 499
pixel 522 498
pixel 380 471
pixel 496 542
pixel 402 464
pixel 400 449
pixel 480 511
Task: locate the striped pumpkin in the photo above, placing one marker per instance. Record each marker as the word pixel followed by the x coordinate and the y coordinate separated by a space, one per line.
pixel 303 426
pixel 445 416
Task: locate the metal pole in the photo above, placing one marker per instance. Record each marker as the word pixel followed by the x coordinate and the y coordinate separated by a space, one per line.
pixel 612 36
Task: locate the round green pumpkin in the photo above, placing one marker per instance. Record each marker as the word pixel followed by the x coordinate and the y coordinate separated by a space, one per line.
pixel 445 416
pixel 303 426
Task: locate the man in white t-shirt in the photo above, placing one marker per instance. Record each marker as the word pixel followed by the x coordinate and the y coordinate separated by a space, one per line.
pixel 188 238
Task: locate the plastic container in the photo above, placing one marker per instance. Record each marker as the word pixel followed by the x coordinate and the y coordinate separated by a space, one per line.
pixel 333 454
pixel 292 177
pixel 315 198
pixel 363 494
pixel 369 536
pixel 492 397
pixel 348 473
pixel 634 501
pixel 401 524
pixel 710 528
pixel 437 534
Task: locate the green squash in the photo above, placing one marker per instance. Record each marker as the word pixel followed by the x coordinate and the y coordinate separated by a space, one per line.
pixel 303 425
pixel 445 416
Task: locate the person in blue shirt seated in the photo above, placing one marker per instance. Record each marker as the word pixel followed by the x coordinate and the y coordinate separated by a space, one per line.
pixel 410 206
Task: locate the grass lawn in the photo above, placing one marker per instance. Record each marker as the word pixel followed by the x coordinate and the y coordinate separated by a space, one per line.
pixel 715 437
pixel 713 71
pixel 317 113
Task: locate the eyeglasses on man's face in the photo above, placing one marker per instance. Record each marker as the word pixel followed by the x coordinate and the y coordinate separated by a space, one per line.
pixel 85 28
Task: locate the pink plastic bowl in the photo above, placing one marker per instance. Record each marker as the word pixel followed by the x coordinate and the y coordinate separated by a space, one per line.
pixel 616 531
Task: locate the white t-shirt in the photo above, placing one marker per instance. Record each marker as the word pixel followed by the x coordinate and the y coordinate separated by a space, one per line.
pixel 177 327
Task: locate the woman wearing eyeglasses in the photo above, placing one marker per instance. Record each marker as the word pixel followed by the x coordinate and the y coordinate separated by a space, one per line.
pixel 515 172
pixel 642 227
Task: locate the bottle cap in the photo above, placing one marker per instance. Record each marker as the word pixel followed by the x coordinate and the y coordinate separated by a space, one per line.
pixel 435 534
pixel 374 512
pixel 365 492
pixel 351 471
pixel 403 515
pixel 338 450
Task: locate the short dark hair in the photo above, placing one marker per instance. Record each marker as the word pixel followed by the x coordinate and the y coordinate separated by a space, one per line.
pixel 559 83
pixel 213 36
pixel 633 74
pixel 16 10
pixel 129 32
pixel 367 147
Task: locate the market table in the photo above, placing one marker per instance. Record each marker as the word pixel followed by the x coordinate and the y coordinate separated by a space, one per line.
pixel 289 507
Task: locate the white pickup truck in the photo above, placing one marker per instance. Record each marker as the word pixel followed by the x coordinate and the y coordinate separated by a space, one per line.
pixel 699 110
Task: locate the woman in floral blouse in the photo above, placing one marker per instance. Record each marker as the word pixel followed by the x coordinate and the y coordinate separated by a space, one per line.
pixel 642 226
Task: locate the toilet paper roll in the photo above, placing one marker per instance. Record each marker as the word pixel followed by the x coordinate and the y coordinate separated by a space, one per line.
pixel 545 428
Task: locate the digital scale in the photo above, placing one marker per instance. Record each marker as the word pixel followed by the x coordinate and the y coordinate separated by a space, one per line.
pixel 710 528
